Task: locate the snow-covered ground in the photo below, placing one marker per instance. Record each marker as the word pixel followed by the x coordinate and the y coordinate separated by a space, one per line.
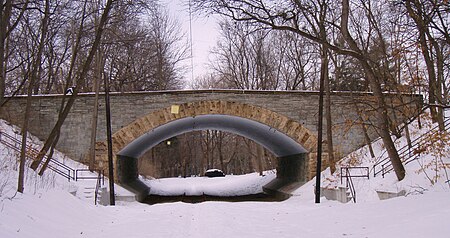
pixel 47 209
pixel 230 185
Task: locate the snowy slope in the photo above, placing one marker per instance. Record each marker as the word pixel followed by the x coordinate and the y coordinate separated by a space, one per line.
pixel 427 173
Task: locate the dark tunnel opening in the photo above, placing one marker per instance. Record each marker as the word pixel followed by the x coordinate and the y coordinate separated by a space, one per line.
pixel 292 165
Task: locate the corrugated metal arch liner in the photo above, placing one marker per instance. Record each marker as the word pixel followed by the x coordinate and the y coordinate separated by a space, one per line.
pixel 275 141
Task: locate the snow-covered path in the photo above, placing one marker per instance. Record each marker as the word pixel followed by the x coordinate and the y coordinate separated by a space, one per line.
pixel 58 214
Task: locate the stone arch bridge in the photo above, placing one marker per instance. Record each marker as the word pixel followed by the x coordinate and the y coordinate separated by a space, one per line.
pixel 285 122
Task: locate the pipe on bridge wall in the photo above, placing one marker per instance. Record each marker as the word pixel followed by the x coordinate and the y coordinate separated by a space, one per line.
pixel 292 172
pixel 127 169
pixel 292 168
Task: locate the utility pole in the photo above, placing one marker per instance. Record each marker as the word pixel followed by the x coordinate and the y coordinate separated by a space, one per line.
pixel 319 133
pixel 112 198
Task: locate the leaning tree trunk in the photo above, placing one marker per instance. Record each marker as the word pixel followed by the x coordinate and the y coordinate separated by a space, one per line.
pixel 382 112
pixel 80 78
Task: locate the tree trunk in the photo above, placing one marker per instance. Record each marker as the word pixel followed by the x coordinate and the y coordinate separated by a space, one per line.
pixel 23 150
pixel 97 79
pixel 433 92
pixel 366 135
pixel 5 17
pixel 79 81
pixel 382 112
pixel 50 154
pixel 33 78
pixel 383 124
pixel 260 156
pixel 367 139
pixel 329 128
pixel 408 137
pixel 220 152
pixel 439 82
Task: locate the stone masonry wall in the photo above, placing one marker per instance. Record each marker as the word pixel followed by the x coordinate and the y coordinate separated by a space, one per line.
pixel 299 106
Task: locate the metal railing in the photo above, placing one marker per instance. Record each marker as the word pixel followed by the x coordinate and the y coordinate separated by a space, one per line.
pixel 54 165
pixel 406 153
pixel 349 182
pixel 98 185
pixel 31 153
pixel 86 174
pixel 363 172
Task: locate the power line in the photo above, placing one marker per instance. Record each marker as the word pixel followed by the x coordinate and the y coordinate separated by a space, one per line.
pixel 190 41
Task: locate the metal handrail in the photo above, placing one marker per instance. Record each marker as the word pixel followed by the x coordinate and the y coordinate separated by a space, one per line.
pixel 406 153
pixel 98 186
pixel 54 165
pixel 414 142
pixel 79 176
pixel 348 168
pixel 31 152
pixel 349 183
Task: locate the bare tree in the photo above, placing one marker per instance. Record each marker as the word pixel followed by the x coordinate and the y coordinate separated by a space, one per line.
pixel 7 25
pixel 298 17
pixel 297 60
pixel 427 16
pixel 145 53
pixel 5 16
pixel 79 80
pixel 33 78
pixel 244 58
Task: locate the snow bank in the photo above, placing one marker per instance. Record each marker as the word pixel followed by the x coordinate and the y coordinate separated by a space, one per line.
pixel 230 185
pixel 423 175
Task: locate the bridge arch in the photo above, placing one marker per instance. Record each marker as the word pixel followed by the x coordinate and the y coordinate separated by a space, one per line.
pixel 288 137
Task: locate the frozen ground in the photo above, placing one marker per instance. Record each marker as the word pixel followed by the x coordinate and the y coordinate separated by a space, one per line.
pixel 230 185
pixel 47 209
pixel 59 214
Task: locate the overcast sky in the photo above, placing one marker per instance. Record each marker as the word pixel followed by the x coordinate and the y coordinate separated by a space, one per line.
pixel 204 34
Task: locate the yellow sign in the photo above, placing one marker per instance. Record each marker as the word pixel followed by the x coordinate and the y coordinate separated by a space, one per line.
pixel 175 109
